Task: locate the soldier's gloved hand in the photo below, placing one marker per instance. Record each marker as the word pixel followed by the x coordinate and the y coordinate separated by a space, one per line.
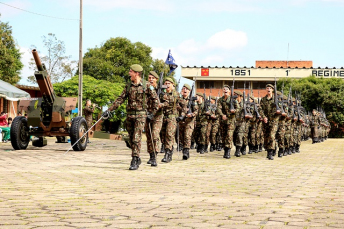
pixel 106 114
pixel 150 117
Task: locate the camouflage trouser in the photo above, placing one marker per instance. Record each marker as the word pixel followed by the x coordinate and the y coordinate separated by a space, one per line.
pixel 135 126
pixel 240 133
pixel 252 134
pixel 154 126
pixel 270 130
pixel 299 135
pixel 197 133
pixel 168 131
pixel 247 129
pixel 213 132
pixel 208 133
pixel 281 135
pixel 203 134
pixel 219 134
pixel 287 138
pixel 227 134
pixel 186 130
pixel 260 135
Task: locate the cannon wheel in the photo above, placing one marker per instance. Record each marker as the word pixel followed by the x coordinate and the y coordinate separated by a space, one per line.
pixel 77 130
pixel 20 137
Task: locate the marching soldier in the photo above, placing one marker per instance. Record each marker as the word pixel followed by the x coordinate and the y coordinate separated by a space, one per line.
pixel 88 112
pixel 202 120
pixel 187 126
pixel 153 123
pixel 138 93
pixel 226 110
pixel 213 126
pixel 173 107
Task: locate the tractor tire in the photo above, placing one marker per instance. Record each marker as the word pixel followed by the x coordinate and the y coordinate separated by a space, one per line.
pixel 20 137
pixel 77 130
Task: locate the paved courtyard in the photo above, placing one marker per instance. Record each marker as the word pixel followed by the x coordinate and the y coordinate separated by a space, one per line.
pixel 45 188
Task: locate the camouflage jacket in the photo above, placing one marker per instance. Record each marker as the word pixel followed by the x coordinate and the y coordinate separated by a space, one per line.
pixel 269 109
pixel 202 118
pixel 138 96
pixel 223 108
pixel 194 107
pixel 88 111
pixel 172 104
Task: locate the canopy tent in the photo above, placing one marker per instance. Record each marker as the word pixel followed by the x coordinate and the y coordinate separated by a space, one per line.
pixel 10 92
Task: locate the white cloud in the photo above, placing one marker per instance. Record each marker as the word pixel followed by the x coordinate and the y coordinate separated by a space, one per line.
pixel 228 39
pixel 158 5
pixel 212 52
pixel 8 11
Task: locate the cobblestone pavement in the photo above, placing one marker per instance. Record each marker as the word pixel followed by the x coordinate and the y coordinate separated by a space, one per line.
pixel 43 188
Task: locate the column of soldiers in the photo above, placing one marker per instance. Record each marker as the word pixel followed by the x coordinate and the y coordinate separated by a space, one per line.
pixel 276 122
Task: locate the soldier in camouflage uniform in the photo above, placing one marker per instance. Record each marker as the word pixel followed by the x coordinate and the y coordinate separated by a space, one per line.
pixel 187 125
pixel 213 126
pixel 253 125
pixel 138 93
pixel 173 107
pixel 315 122
pixel 153 123
pixel 240 124
pixel 281 125
pixel 227 115
pixel 270 118
pixel 202 120
pixel 88 112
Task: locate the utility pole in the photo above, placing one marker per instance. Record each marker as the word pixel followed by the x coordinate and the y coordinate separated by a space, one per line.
pixel 80 64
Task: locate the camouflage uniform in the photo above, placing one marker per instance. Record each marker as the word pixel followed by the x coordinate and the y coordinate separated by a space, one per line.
pixel 240 130
pixel 228 126
pixel 202 120
pixel 315 122
pixel 88 112
pixel 137 95
pixel 153 128
pixel 172 108
pixel 187 126
pixel 270 128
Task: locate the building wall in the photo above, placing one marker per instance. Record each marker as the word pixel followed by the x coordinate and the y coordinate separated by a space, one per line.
pixel 283 64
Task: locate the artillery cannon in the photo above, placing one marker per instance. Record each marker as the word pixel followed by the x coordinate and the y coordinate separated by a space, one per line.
pixel 47 116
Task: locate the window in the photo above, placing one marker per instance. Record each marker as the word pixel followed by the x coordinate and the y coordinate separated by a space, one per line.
pixel 206 84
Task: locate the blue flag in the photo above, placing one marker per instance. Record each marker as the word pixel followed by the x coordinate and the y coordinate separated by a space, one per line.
pixel 171 62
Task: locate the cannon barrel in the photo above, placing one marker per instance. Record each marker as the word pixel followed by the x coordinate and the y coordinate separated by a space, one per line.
pixel 37 60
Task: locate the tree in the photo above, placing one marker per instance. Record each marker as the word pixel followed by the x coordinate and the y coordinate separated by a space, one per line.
pixel 327 93
pixel 59 66
pixel 10 64
pixel 100 92
pixel 113 59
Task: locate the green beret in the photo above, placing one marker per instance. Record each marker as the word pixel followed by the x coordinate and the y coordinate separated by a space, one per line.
pixel 136 68
pixel 199 94
pixel 187 86
pixel 170 80
pixel 213 97
pixel 270 85
pixel 238 92
pixel 293 99
pixel 226 86
pixel 153 73
pixel 285 97
pixel 279 93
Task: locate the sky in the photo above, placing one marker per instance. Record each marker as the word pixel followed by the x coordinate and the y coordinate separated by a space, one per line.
pixel 198 32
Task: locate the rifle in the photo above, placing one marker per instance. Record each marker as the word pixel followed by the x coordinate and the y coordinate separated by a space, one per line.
pixel 232 109
pixel 177 87
pixel 298 107
pixel 282 107
pixel 246 113
pixel 161 85
pixel 278 110
pixel 206 102
pixel 255 106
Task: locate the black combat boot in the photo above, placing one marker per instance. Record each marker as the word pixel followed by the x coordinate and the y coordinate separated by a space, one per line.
pixel 270 154
pixel 260 148
pixel 237 151
pixel 290 151
pixel 286 150
pixel 135 162
pixel 293 149
pixel 168 156
pixel 250 149
pixel 227 153
pixel 280 152
pixel 205 148
pixel 192 145
pixel 201 149
pixel 220 147
pixel 212 147
pixel 256 148
pixel 243 149
pixel 180 147
pixel 274 152
pixel 152 159
pixel 297 148
pixel 162 148
pixel 186 154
